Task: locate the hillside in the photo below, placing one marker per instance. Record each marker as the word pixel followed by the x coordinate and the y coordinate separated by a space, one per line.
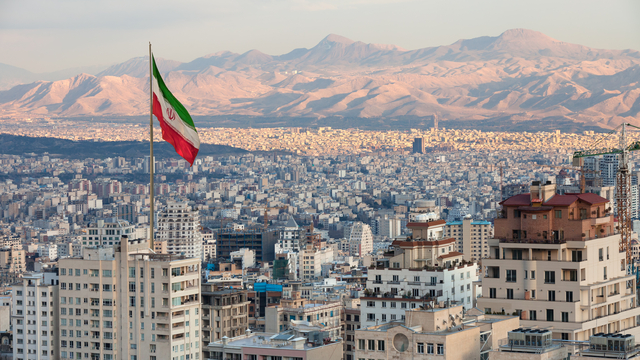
pixel 18 145
pixel 520 75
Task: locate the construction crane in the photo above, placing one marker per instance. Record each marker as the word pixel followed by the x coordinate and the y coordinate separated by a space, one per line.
pixel 623 182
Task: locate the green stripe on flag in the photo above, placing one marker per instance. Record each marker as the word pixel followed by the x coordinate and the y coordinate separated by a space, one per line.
pixel 177 106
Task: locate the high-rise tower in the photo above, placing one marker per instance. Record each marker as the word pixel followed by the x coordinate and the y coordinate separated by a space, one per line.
pixel 179 225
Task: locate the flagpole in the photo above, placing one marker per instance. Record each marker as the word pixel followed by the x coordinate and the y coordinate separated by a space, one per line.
pixel 151 159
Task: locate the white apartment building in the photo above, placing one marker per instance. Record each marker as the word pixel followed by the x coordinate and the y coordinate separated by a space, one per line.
pixel 311 260
pixel 34 317
pixel 289 237
pixel 360 239
pixel 471 237
pixel 48 250
pixel 125 302
pixel 179 225
pixel 106 232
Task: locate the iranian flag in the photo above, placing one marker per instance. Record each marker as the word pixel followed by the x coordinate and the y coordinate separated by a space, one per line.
pixel 176 123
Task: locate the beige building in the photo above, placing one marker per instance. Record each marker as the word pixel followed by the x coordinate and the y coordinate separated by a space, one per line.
pixel 311 259
pixel 124 302
pixel 12 259
pixel 556 263
pixel 434 333
pixel 471 236
pixel 225 312
pixel 160 246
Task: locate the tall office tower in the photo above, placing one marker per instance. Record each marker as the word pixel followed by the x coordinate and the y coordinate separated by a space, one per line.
pixel 418 145
pixel 360 239
pixel 105 233
pixel 609 169
pixel 471 236
pixel 124 302
pixel 34 317
pixel 555 262
pixel 146 164
pixel 180 227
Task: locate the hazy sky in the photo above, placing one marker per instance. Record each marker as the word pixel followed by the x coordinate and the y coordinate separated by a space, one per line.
pixel 48 35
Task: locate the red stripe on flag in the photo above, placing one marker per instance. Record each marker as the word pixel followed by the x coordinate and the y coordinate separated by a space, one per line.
pixel 182 147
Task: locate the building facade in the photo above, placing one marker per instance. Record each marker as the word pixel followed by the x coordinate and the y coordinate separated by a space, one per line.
pixel 225 312
pixel 179 225
pixel 555 262
pixel 106 232
pixel 471 236
pixel 124 302
pixel 34 317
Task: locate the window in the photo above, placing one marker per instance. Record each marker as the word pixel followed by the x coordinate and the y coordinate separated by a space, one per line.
pixel 371 317
pixel 511 276
pixel 605 272
pixel 549 314
pixel 565 316
pixel 569 296
pixel 420 348
pixel 430 349
pixel 509 293
pixel 132 272
pixel 440 349
pixel 549 277
pixel 600 255
pixel 558 214
pixel 371 345
pixel 533 315
pixel 106 273
pixel 533 274
pixel 552 295
pixel 380 345
pixel 361 344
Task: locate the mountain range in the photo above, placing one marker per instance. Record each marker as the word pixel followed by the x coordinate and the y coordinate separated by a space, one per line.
pixel 519 75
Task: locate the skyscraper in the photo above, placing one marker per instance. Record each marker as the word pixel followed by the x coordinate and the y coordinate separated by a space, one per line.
pixel 180 227
pixel 418 145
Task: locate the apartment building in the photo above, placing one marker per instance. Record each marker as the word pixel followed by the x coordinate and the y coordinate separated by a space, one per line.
pixel 106 232
pixel 48 250
pixel 471 237
pixel 310 261
pixel 350 323
pixel 180 227
pixel 34 317
pixel 360 239
pixel 125 302
pixel 290 237
pixel 12 259
pixel 324 315
pixel 434 333
pixel 424 267
pixel 225 312
pixel 555 262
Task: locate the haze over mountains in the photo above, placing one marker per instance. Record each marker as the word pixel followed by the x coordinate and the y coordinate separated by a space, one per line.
pixel 518 75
